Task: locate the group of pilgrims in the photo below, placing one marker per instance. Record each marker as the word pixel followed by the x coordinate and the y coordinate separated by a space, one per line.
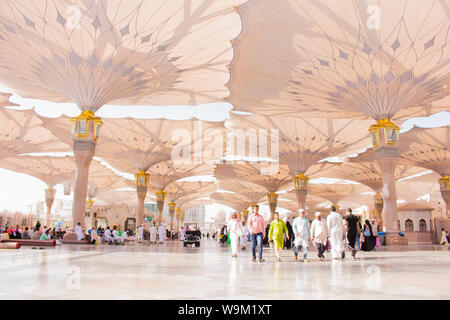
pixel 115 236
pixel 334 233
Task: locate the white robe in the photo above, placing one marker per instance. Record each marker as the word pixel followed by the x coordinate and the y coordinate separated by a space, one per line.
pixel 153 232
pixel 116 236
pixel 319 231
pixel 108 236
pixel 181 234
pixel 161 233
pixel 79 232
pixel 234 225
pixel 444 237
pixel 244 236
pixel 335 225
pixel 140 233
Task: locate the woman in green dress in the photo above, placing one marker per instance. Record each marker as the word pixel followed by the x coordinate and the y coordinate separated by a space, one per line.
pixel 276 234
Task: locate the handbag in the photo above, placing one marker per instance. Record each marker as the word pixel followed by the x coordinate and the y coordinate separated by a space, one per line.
pixel 366 232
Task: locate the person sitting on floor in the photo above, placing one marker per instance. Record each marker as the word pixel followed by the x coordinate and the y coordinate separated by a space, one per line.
pixel 25 234
pixel 117 238
pixel 45 236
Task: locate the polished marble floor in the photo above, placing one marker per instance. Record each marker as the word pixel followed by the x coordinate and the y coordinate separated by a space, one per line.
pixel 171 271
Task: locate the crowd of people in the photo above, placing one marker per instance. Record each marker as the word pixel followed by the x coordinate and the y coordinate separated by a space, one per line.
pixel 333 233
pixel 34 233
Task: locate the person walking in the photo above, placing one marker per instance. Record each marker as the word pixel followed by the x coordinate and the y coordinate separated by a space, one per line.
pixel 375 233
pixel 353 230
pixel 335 226
pixel 302 233
pixel 277 232
pixel 140 233
pixel 235 229
pixel 244 236
pixel 369 240
pixel 153 233
pixel 255 225
pixel 319 234
pixel 78 231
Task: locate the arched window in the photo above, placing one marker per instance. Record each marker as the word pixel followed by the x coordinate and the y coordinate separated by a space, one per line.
pixel 409 226
pixel 422 225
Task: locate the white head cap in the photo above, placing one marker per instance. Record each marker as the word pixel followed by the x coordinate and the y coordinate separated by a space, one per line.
pixel 317 213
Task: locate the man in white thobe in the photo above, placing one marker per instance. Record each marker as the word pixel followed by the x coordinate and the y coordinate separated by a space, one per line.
pixel 335 225
pixel 108 236
pixel 153 232
pixel 78 231
pixel 181 234
pixel 140 233
pixel 234 225
pixel 244 236
pixel 118 239
pixel 161 233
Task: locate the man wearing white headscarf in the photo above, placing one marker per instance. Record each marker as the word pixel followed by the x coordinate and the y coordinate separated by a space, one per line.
pixel 335 225
pixel 140 233
pixel 302 234
pixel 108 236
pixel 78 231
pixel 234 227
pixel 244 236
pixel 161 233
pixel 319 234
pixel 153 232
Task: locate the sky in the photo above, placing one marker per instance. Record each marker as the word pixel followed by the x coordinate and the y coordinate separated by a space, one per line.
pixel 18 191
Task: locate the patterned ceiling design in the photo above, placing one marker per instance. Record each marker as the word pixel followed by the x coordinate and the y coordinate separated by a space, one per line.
pixel 94 52
pixel 303 142
pixel 427 148
pixel 342 58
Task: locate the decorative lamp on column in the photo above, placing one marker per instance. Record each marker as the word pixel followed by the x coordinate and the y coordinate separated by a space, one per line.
pixel 245 214
pixel 272 198
pixel 172 206
pixel 384 133
pixel 85 133
pixel 89 204
pixel 444 182
pixel 301 189
pixel 301 182
pixel 142 178
pixel 86 126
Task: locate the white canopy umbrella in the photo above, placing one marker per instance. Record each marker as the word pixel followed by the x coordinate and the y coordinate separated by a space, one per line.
pixel 133 52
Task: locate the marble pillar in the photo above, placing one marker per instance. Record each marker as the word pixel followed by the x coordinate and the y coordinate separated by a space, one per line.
pixel 84 151
pixel 141 193
pixel 49 199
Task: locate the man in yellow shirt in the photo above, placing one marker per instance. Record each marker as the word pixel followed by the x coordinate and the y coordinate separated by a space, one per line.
pixel 276 234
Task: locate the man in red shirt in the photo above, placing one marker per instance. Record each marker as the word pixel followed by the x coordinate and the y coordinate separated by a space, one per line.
pixel 255 225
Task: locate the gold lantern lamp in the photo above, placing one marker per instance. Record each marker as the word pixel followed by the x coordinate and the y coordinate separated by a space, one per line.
pixel 160 195
pixel 384 133
pixel 444 183
pixel 172 205
pixel 142 178
pixel 89 204
pixel 86 126
pixel 301 182
pixel 272 198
